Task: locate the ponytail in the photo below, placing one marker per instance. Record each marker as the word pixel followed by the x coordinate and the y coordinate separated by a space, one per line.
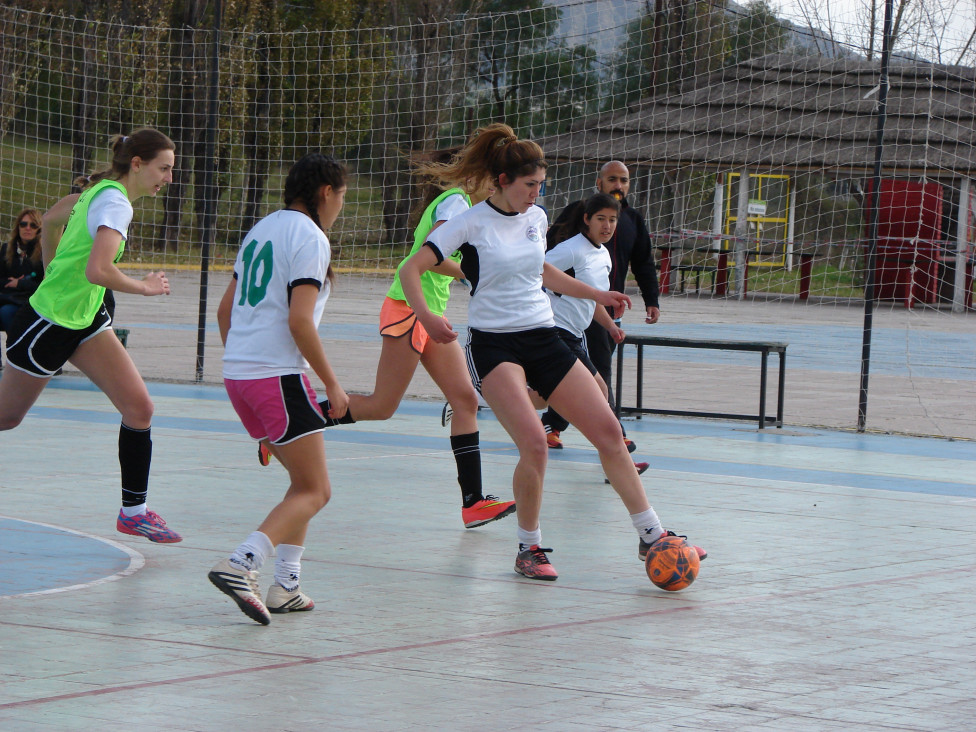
pixel 144 143
pixel 306 178
pixel 575 223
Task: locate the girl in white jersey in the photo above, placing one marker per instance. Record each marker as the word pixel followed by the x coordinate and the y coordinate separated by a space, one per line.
pixel 66 317
pixel 584 257
pixel 269 318
pixel 513 342
pixel 406 345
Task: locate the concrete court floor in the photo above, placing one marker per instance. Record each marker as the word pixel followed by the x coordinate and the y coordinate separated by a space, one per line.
pixel 838 594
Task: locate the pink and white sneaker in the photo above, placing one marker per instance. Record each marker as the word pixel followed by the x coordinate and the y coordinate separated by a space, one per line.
pixel 149 524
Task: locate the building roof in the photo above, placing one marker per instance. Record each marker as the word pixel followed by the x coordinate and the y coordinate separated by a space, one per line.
pixel 796 113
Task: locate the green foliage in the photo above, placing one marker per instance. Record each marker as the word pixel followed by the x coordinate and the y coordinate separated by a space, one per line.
pixel 662 53
pixel 757 33
pixel 527 77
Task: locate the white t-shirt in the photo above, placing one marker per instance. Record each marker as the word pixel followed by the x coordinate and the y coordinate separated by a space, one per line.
pixel 283 250
pixel 587 262
pixel 502 256
pixel 450 207
pixel 109 208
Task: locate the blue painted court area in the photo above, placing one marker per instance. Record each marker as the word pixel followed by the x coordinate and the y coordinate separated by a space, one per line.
pixel 40 558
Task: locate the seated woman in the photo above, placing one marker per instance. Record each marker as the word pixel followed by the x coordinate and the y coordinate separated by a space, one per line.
pixel 21 269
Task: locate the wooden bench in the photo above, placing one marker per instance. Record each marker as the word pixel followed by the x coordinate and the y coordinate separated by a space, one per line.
pixel 762 347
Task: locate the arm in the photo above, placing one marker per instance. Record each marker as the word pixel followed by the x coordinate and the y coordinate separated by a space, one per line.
pixel 224 310
pixel 439 328
pixel 52 226
pixel 561 282
pixel 601 316
pixel 645 270
pixel 101 269
pixel 301 324
pixel 448 267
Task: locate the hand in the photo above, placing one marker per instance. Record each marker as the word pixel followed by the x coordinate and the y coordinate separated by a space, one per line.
pixel 653 315
pixel 438 328
pixel 12 282
pixel 616 300
pixel 338 401
pixel 617 334
pixel 156 284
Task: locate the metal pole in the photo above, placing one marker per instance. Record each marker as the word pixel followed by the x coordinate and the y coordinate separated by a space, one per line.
pixel 209 218
pixel 875 199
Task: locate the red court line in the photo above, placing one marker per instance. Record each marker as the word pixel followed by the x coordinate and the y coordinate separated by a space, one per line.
pixel 475 638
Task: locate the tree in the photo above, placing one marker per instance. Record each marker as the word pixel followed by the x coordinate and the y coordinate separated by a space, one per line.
pixel 756 33
pixel 928 29
pixel 666 49
pixel 527 76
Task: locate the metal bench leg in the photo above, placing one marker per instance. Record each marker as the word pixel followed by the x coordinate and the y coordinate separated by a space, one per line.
pixel 782 389
pixel 762 389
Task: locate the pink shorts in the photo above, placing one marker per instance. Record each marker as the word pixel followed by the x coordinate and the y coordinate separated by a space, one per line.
pixel 279 408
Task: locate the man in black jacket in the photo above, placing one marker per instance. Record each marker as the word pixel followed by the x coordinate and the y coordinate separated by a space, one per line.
pixel 630 248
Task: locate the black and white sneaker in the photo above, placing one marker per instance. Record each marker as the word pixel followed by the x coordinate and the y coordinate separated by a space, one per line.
pixel 241 586
pixel 446 414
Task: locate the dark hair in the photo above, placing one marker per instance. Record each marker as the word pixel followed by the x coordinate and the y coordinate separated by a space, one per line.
pixel 144 143
pixel 575 224
pixel 305 180
pixel 35 254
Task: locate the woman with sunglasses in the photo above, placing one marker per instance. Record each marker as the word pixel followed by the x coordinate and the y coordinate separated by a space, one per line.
pixel 21 269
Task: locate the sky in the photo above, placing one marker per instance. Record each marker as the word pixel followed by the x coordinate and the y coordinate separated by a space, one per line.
pixel 958 17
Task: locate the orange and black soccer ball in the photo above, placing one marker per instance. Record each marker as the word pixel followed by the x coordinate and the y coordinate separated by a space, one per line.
pixel 672 563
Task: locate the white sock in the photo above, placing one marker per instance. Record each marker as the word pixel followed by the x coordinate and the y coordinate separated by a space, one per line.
pixel 648 525
pixel 253 551
pixel 130 511
pixel 529 538
pixel 288 566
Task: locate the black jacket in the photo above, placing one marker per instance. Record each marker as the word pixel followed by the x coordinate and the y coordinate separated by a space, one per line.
pixel 31 272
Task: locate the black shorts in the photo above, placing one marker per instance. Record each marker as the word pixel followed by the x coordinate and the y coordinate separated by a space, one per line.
pixel 541 353
pixel 578 347
pixel 39 347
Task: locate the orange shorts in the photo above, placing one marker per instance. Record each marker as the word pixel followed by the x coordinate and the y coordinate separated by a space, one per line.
pixel 397 319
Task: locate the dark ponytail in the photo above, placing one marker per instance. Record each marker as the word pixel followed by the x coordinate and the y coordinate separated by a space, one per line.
pixel 307 177
pixel 575 223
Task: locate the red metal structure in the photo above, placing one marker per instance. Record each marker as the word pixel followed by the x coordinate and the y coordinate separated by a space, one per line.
pixel 909 241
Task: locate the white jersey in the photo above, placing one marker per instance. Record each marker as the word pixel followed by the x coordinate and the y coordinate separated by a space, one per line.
pixel 283 250
pixel 502 255
pixel 588 262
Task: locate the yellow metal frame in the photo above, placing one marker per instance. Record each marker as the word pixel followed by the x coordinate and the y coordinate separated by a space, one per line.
pixel 731 195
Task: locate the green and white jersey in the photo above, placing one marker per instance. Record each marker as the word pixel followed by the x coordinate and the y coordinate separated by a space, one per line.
pixel 283 250
pixel 65 296
pixel 436 287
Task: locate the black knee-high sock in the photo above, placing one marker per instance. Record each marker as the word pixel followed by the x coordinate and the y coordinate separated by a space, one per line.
pixel 467 454
pixel 135 455
pixel 331 422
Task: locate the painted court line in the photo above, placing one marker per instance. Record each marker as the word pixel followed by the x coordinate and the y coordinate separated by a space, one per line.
pixel 480 637
pixel 136 561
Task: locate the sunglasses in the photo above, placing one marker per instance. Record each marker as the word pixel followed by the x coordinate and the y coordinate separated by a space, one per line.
pixel 31 224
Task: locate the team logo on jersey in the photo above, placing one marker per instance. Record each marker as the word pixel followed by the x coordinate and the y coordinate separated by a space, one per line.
pixel 532 234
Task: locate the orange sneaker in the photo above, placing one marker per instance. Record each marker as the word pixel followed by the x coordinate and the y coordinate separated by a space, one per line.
pixel 552 439
pixel 264 454
pixel 488 509
pixel 631 445
pixel 641 469
pixel 534 564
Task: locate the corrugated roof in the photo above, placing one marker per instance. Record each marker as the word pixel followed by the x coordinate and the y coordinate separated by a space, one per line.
pixel 793 112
